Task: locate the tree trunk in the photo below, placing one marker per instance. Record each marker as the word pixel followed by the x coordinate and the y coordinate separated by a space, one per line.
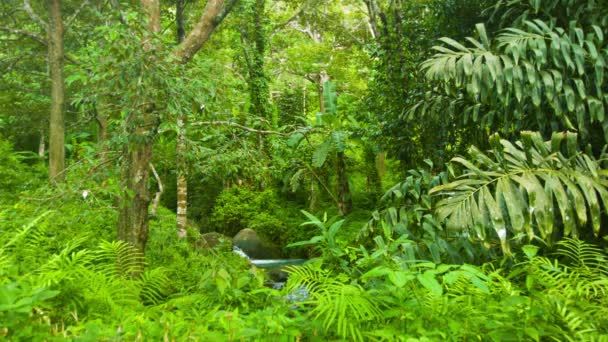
pixel 314 197
pixel 344 198
pixel 181 149
pixel 179 20
pixel 182 178
pixel 57 125
pixel 133 211
pixel 374 182
pixel 137 155
pixel 41 145
pixel 258 83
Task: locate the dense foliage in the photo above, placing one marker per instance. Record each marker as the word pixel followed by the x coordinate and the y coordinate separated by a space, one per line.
pixel 440 164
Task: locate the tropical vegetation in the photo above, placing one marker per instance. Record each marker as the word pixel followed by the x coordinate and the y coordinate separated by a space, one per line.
pixel 429 170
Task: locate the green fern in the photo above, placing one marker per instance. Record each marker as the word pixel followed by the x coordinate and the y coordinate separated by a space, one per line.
pixel 523 188
pixel 154 285
pixel 118 259
pixel 583 272
pixel 343 308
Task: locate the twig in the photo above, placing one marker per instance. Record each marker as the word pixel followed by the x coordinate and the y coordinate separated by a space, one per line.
pixel 37 38
pixel 31 35
pixel 70 20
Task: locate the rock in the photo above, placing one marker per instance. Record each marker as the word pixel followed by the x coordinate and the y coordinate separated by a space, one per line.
pixel 254 246
pixel 277 275
pixel 213 240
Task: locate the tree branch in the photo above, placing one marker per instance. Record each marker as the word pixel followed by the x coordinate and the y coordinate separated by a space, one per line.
pixel 70 20
pixel 38 39
pixel 28 34
pixel 30 12
pixel 214 13
pixel 234 124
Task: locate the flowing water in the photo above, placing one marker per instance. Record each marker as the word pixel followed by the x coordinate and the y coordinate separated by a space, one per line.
pixel 298 294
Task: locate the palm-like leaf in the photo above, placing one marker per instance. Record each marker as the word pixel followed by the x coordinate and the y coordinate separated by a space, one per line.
pixel 525 188
pixel 535 67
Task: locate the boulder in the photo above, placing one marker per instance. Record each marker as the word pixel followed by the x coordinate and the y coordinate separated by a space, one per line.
pixel 213 240
pixel 254 246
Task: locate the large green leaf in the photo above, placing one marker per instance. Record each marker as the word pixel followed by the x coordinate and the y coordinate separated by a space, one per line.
pixel 320 154
pixel 537 188
pixel 330 98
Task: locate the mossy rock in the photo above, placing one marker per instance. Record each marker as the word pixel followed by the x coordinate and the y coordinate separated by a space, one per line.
pixel 213 240
pixel 255 246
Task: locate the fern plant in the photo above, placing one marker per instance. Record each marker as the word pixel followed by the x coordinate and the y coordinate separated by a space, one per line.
pixel 582 271
pixel 343 308
pixel 533 188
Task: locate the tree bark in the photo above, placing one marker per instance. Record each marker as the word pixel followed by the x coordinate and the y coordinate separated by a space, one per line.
pixel 182 178
pixel 214 13
pixel 133 211
pixel 57 124
pixel 41 145
pixel 323 77
pixel 314 198
pixel 137 155
pixel 344 198
pixel 179 20
pixel 181 148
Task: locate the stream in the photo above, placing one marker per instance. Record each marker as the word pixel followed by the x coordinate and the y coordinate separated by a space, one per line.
pixel 275 265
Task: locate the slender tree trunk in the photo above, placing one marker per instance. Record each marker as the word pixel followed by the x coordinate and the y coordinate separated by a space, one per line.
pixel 258 83
pixel 344 198
pixel 314 197
pixel 374 183
pixel 182 178
pixel 179 20
pixel 57 125
pixel 101 117
pixel 181 148
pixel 158 194
pixel 41 145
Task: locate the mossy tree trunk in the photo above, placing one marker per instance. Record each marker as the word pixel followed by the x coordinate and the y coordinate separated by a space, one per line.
pixel 57 125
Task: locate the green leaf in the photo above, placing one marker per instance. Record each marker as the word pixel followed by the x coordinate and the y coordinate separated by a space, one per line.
pixel 570 97
pixel 427 279
pixel 330 98
pixel 530 250
pixel 320 154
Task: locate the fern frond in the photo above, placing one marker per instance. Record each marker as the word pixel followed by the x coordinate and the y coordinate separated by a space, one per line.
pixel 155 286
pixel 24 232
pixel 583 255
pixel 118 259
pixel 341 307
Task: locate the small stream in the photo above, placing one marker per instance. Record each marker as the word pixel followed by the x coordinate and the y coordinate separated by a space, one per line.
pixel 276 265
